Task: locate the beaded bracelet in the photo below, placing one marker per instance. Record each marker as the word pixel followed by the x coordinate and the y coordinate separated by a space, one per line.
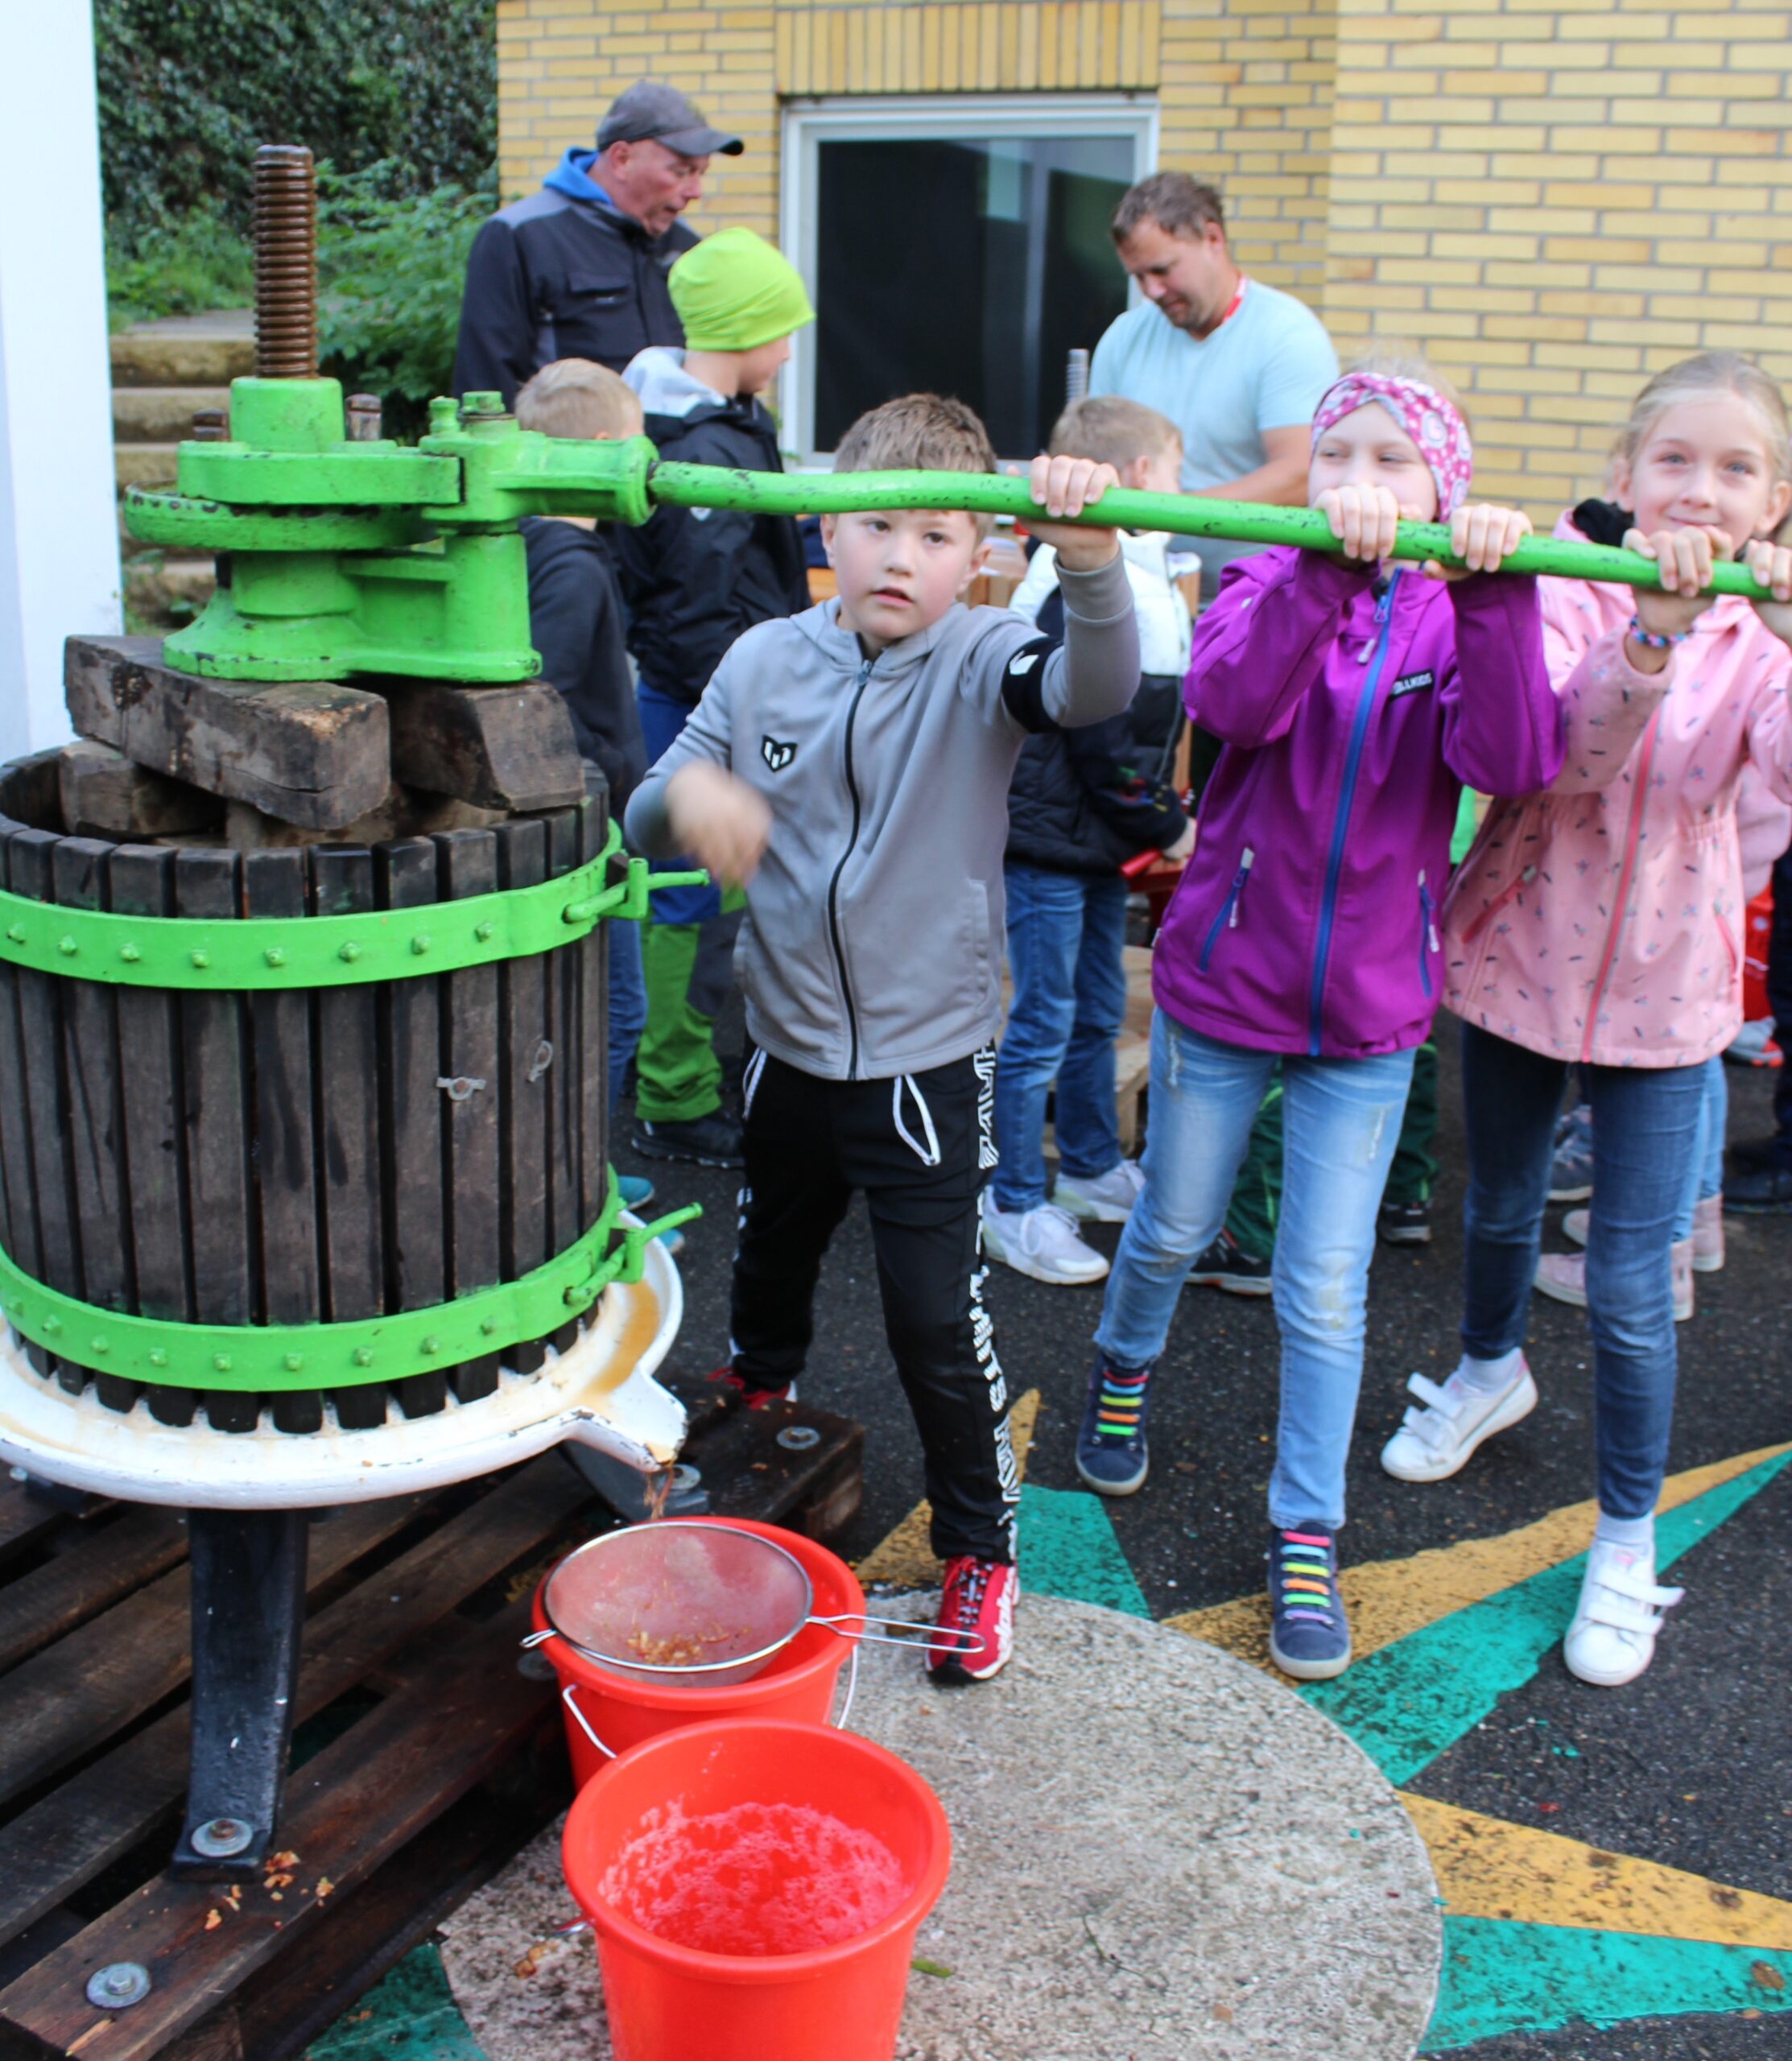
pixel 1654 641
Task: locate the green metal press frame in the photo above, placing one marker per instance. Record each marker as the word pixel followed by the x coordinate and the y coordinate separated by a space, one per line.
pixel 350 557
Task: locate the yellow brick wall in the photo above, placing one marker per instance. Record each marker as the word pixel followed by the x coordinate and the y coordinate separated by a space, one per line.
pixel 1557 199
pixel 1554 197
pixel 560 63
pixel 1246 101
pixel 1243 87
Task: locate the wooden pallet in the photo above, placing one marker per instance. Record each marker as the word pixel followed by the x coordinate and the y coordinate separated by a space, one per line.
pixel 424 1756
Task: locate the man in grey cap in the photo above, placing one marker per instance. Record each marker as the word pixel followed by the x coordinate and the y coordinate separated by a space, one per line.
pixel 579 269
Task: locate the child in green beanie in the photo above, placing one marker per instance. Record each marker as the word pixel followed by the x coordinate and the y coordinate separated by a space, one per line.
pixel 695 579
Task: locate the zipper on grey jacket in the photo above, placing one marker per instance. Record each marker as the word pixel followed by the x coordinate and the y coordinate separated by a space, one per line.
pixel 859 685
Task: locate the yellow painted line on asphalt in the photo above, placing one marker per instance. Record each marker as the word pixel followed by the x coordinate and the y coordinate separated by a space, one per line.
pixel 1388 1599
pixel 903 1557
pixel 1486 1868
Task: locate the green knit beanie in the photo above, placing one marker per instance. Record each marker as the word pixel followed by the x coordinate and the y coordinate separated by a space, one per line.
pixel 734 291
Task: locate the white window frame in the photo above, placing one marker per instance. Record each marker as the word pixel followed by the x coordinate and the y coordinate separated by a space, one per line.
pixel 808 123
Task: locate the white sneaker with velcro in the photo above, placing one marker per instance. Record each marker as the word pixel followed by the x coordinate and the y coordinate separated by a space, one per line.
pixel 1435 1442
pixel 1611 1639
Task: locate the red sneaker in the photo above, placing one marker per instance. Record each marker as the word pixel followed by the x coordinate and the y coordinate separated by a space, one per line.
pixel 744 1395
pixel 975 1630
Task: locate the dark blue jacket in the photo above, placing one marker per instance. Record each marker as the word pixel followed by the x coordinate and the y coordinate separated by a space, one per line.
pixel 564 274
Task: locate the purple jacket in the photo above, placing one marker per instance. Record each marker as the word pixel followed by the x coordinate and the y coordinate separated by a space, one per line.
pixel 1306 920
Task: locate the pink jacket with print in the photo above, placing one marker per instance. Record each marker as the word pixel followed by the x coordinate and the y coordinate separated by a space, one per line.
pixel 1601 920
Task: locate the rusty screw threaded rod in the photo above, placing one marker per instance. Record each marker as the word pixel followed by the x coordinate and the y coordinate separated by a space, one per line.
pixel 286 263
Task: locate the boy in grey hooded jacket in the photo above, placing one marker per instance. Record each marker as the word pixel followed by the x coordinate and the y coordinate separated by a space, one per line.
pixel 851 766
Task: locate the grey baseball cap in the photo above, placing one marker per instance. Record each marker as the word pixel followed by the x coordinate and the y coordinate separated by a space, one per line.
pixel 651 111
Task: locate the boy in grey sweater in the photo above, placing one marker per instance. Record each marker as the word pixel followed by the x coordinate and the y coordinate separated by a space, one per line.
pixel 850 766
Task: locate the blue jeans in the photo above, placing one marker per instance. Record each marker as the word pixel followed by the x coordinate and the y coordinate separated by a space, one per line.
pixel 1065 932
pixel 1705 1174
pixel 662 717
pixel 1341 1122
pixel 628 999
pixel 1645 1140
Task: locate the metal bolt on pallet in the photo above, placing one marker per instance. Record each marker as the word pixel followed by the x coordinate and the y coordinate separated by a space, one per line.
pixel 118 1985
pixel 220 1838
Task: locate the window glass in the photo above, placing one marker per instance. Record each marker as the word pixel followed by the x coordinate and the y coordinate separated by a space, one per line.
pixel 963 266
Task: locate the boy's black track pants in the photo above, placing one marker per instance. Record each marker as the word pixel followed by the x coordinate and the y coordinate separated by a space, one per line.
pixel 920 1147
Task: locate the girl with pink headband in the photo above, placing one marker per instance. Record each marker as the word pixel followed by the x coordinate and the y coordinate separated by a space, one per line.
pixel 1354 699
pixel 1598 924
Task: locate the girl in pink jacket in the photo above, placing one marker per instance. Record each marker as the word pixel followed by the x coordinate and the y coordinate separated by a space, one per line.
pixel 1601 923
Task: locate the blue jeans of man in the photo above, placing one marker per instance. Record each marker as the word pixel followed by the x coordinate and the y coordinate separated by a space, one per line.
pixel 1646 1141
pixel 1341 1121
pixel 628 1000
pixel 1066 933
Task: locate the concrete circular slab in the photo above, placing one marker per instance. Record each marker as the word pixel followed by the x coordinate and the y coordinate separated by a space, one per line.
pixel 1159 1853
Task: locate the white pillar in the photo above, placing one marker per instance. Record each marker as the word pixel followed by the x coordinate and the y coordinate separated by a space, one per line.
pixel 59 529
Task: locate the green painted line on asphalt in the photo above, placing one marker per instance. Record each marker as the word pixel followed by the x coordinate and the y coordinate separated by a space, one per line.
pixel 410 2014
pixel 1068 1548
pixel 1408 1703
pixel 1500 1977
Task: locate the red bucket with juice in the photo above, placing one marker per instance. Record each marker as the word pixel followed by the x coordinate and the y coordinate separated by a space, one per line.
pixel 755 1889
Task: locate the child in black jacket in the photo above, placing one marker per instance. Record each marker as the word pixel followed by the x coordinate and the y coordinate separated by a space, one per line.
pixel 1081 804
pixel 694 579
pixel 575 622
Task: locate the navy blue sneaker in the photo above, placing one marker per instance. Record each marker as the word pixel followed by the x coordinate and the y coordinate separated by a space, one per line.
pixel 1110 1441
pixel 1309 1635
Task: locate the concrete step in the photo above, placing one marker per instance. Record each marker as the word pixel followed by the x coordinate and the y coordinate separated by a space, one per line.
pixel 144 464
pixel 168 589
pixel 186 350
pixel 160 415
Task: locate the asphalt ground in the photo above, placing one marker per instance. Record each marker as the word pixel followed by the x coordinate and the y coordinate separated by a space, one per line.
pixel 1690 1767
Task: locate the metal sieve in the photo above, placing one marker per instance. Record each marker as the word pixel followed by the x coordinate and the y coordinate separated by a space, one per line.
pixel 701 1604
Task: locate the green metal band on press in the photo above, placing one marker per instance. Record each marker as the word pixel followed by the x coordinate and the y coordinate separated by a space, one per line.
pixel 259 952
pixel 273 1358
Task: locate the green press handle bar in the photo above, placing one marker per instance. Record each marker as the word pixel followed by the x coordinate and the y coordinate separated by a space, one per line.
pixel 1241 522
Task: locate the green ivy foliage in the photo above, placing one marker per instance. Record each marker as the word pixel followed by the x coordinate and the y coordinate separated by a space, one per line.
pixel 188 88
pixel 391 265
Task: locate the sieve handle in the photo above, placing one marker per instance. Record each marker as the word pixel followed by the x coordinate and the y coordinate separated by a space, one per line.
pixel 538 1639
pixel 896 1631
pixel 852 1689
pixel 569 1695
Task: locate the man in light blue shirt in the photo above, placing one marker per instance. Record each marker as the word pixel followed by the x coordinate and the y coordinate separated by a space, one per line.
pixel 1238 366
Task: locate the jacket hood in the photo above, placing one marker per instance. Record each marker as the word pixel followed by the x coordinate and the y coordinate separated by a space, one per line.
pixel 658 376
pixel 572 176
pixel 1726 608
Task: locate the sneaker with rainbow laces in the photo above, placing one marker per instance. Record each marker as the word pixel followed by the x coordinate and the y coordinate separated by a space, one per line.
pixel 1309 1634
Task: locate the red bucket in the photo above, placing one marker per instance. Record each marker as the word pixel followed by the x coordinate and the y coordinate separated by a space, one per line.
pixel 608 1712
pixel 755 1835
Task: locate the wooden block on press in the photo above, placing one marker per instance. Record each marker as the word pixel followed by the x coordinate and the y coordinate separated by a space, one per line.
pixel 106 795
pixel 311 752
pixel 497 747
